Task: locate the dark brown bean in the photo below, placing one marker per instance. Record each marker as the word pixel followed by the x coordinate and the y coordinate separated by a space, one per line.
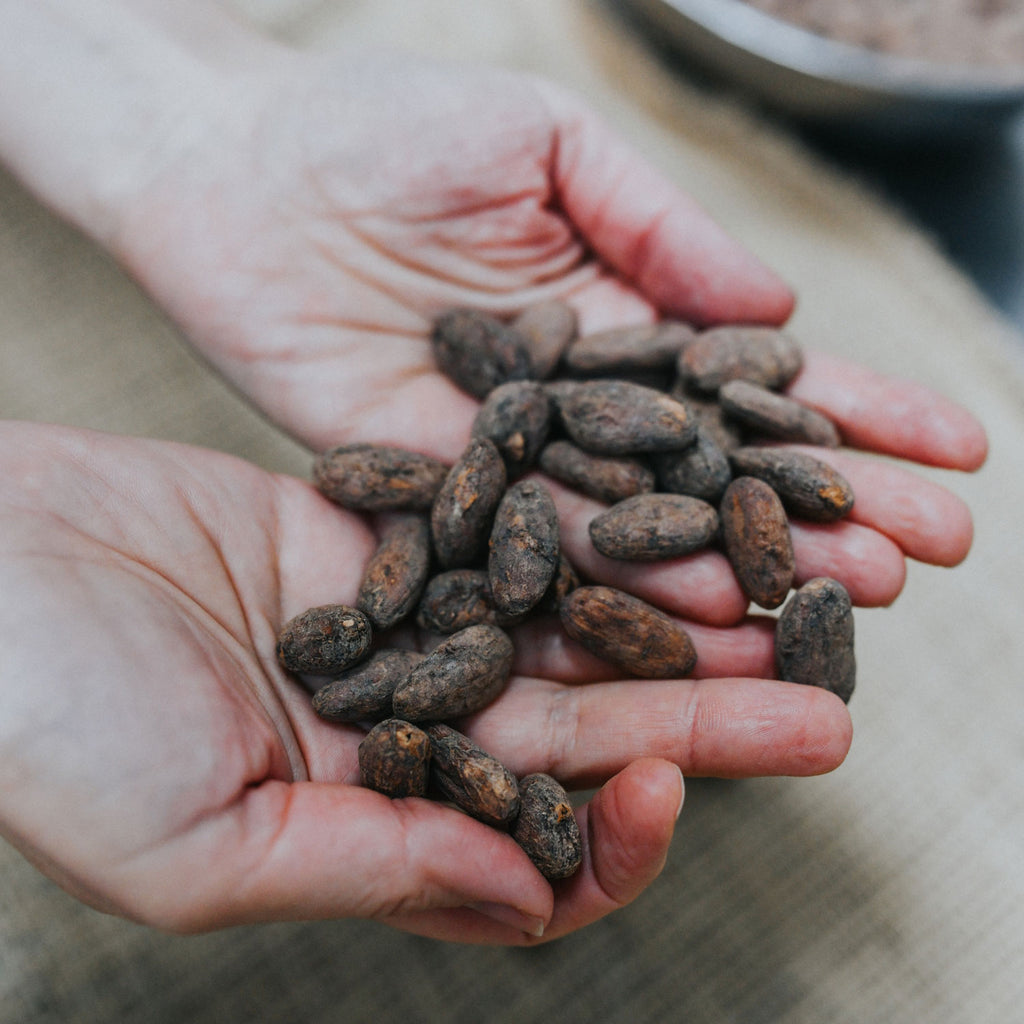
pixel 808 487
pixel 516 417
pixel 628 633
pixel 325 640
pixel 463 674
pixel 363 693
pixel 478 351
pixel 701 471
pixel 755 532
pixel 546 827
pixel 606 478
pixel 547 328
pixel 652 527
pixel 463 512
pixel 459 598
pixel 617 417
pixel 379 478
pixel 394 759
pixel 763 355
pixel 814 638
pixel 769 414
pixel 709 417
pixel 524 547
pixel 473 780
pixel 624 351
pixel 396 572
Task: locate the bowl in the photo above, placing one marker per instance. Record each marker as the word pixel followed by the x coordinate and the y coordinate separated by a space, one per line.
pixel 827 83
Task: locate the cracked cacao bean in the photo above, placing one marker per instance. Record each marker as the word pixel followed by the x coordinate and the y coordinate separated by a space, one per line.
pixel 651 527
pixel 618 417
pixel 378 478
pixel 478 351
pixel 808 487
pixel 546 827
pixel 463 511
pixel 524 547
pixel 769 414
pixel 755 533
pixel 394 759
pixel 473 780
pixel 364 692
pixel 325 640
pixel 814 638
pixel 396 572
pixel 463 674
pixel 629 633
pixel 762 355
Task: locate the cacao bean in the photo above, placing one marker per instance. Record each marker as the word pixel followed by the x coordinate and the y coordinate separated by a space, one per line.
pixel 762 355
pixel 478 351
pixel 546 827
pixel 808 487
pixel 396 572
pixel 325 640
pixel 776 416
pixel 378 478
pixel 394 759
pixel 649 527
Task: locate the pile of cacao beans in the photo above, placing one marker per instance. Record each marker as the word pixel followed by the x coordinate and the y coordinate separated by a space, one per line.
pixel 676 431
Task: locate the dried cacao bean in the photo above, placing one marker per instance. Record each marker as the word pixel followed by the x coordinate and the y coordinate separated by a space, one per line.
pixel 755 532
pixel 701 471
pixel 473 780
pixel 762 355
pixel 768 414
pixel 808 487
pixel 628 633
pixel 478 351
pixel 547 328
pixel 618 417
pixel 546 827
pixel 650 527
pixel 814 638
pixel 459 598
pixel 524 547
pixel 363 693
pixel 325 640
pixel 605 477
pixel 463 674
pixel 394 759
pixel 625 351
pixel 396 572
pixel 378 478
pixel 516 417
pixel 463 511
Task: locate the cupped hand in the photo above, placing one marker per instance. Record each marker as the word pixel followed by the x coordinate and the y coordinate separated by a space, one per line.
pixel 342 202
pixel 159 764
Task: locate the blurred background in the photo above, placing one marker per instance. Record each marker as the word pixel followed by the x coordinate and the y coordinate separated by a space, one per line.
pixel 922 100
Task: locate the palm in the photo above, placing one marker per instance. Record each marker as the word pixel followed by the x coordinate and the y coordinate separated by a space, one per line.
pixel 307 260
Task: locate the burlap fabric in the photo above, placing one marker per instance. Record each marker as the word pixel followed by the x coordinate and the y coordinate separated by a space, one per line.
pixel 890 891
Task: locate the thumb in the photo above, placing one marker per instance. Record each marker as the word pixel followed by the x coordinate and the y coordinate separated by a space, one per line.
pixel 651 232
pixel 308 850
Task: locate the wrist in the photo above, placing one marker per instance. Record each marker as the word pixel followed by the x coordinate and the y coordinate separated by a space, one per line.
pixel 97 95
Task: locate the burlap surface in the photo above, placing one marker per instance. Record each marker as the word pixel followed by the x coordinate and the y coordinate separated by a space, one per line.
pixel 890 891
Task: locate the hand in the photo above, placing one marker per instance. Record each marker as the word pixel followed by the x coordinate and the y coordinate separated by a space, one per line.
pixel 159 764
pixel 390 189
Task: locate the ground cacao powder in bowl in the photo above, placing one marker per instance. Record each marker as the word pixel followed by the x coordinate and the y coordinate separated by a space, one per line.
pixel 956 32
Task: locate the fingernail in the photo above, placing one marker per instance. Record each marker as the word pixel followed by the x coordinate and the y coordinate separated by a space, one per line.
pixel 682 793
pixel 513 918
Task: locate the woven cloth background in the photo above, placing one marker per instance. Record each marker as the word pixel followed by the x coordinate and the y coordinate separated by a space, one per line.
pixel 889 891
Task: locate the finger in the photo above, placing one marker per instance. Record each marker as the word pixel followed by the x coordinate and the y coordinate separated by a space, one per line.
pixel 702 587
pixel 627 829
pixel 927 521
pixel 545 650
pixel 304 851
pixel 734 728
pixel 891 415
pixel 652 233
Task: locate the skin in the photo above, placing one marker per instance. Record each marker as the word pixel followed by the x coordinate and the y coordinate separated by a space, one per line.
pixel 339 204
